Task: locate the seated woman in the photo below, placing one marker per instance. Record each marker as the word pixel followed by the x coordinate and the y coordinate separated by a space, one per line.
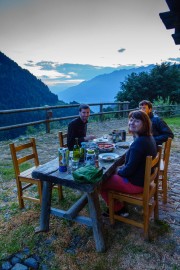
pixel 129 178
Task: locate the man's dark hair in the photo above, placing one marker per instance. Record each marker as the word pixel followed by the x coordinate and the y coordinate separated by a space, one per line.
pixel 146 102
pixel 83 106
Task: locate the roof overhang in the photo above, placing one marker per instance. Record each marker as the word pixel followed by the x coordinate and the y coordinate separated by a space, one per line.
pixel 171 19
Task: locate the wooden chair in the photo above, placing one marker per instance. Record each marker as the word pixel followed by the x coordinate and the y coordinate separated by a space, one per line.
pixel 62 137
pixel 148 199
pixel 21 154
pixel 163 169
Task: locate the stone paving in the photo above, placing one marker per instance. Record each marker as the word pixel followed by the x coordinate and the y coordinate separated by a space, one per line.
pixel 169 212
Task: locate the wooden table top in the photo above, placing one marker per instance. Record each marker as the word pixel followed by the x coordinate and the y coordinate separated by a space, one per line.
pixel 50 172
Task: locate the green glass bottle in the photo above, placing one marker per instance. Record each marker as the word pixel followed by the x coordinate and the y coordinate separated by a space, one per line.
pixel 82 152
pixel 76 150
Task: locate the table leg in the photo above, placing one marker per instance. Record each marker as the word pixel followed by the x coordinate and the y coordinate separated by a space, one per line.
pixel 95 215
pixel 45 207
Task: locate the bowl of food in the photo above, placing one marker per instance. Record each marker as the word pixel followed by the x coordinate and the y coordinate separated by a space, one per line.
pixel 105 147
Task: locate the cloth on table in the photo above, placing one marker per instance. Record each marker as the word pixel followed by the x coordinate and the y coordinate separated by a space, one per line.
pixel 88 174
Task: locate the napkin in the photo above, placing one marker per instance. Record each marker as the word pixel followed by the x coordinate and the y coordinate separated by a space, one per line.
pixel 88 174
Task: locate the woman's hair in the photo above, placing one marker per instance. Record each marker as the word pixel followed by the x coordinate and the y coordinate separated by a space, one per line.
pixel 146 122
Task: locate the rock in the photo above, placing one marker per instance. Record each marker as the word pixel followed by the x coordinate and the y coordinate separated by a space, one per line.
pixel 20 255
pixel 15 260
pixel 19 266
pixel 6 265
pixel 31 262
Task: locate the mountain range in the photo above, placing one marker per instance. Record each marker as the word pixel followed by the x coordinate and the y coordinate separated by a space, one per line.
pixel 102 88
pixel 21 89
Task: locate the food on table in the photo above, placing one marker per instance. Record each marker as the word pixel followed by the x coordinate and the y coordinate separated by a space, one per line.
pixel 109 158
pixel 105 147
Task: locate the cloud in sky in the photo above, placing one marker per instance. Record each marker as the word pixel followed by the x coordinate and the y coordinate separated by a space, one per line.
pixel 45 72
pixel 53 73
pixel 52 82
pixel 177 60
pixel 121 50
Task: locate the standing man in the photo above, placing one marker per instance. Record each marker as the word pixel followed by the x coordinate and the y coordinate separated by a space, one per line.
pixel 77 128
pixel 160 129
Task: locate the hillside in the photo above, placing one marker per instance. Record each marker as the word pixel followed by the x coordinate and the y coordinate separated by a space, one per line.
pixel 21 89
pixel 102 88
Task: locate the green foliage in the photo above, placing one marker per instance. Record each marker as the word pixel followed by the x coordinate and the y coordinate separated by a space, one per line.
pixel 30 130
pixel 162 81
pixel 17 239
pixel 6 170
pixel 162 227
pixel 163 106
pixel 173 121
pixel 161 102
pixel 10 209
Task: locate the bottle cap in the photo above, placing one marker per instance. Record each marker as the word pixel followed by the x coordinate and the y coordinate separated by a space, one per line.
pixel 90 151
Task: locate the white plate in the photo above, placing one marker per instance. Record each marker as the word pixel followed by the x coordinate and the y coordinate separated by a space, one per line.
pixel 100 140
pixel 108 156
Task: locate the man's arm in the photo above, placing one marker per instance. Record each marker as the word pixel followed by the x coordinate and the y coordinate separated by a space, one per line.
pixel 163 131
pixel 71 137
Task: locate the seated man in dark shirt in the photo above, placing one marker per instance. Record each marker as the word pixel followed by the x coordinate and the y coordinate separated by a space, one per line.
pixel 77 128
pixel 160 129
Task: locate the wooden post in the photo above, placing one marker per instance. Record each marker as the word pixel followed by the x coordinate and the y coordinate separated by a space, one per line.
pixel 48 116
pixel 46 207
pixel 125 107
pixel 95 215
pixel 119 108
pixel 101 110
pixel 76 208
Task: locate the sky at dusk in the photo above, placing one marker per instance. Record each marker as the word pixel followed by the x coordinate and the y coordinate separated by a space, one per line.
pixel 41 35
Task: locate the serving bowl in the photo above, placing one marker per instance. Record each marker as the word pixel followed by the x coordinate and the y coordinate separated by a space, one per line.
pixel 106 147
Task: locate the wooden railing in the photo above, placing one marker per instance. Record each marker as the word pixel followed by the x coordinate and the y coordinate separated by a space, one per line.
pixel 122 110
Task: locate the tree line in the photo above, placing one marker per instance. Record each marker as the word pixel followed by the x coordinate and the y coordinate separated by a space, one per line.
pixel 162 81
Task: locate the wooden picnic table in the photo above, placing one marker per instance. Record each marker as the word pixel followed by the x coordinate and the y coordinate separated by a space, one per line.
pixel 49 174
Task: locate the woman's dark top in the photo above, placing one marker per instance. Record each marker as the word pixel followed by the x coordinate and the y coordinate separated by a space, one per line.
pixel 135 162
pixel 76 129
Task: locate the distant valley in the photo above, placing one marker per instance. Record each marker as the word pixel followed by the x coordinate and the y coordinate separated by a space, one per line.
pixel 102 88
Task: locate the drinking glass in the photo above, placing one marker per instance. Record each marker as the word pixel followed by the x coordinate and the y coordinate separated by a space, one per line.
pixel 70 162
pixel 75 164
